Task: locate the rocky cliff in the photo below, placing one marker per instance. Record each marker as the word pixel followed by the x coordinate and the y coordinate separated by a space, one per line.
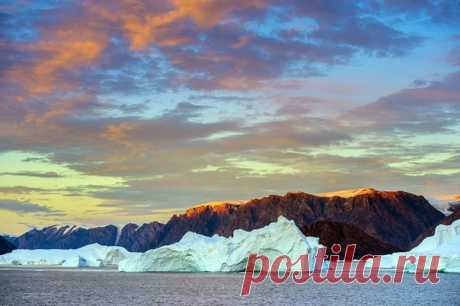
pixel 137 238
pixel 66 237
pixel 5 246
pixel 379 222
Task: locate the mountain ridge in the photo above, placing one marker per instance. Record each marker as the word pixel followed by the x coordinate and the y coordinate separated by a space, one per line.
pixel 380 222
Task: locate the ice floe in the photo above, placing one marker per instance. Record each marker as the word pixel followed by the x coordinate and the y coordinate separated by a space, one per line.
pixel 93 255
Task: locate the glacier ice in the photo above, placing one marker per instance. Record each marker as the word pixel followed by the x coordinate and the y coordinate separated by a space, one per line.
pixel 74 262
pixel 445 243
pixel 93 255
pixel 198 253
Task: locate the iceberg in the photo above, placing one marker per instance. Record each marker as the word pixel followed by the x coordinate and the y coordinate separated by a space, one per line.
pixel 198 253
pixel 74 262
pixel 93 255
pixel 444 243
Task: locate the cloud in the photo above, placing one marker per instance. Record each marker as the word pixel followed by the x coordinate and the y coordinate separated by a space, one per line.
pixel 60 52
pixel 429 109
pixel 26 207
pixel 131 89
pixel 203 44
pixel 442 12
pixel 316 173
pixel 144 25
pixel 36 159
pixel 20 190
pixel 50 174
pixel 371 35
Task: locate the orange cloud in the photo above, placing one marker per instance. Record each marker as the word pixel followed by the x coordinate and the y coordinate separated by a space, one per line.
pixel 143 25
pixel 120 132
pixel 60 108
pixel 207 13
pixel 449 197
pixel 59 51
pixel 65 48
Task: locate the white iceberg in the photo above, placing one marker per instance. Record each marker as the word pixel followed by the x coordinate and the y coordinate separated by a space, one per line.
pixel 444 243
pixel 198 253
pixel 93 255
pixel 74 262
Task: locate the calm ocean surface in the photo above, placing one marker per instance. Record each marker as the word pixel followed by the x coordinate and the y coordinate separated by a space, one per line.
pixel 106 287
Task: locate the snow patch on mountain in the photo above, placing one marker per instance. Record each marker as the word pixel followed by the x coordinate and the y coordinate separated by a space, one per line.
pixel 218 203
pixel 348 193
pixel 117 238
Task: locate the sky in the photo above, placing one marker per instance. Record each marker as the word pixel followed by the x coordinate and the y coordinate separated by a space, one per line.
pixel 123 111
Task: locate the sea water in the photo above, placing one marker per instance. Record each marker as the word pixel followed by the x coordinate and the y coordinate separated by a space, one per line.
pixel 109 287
